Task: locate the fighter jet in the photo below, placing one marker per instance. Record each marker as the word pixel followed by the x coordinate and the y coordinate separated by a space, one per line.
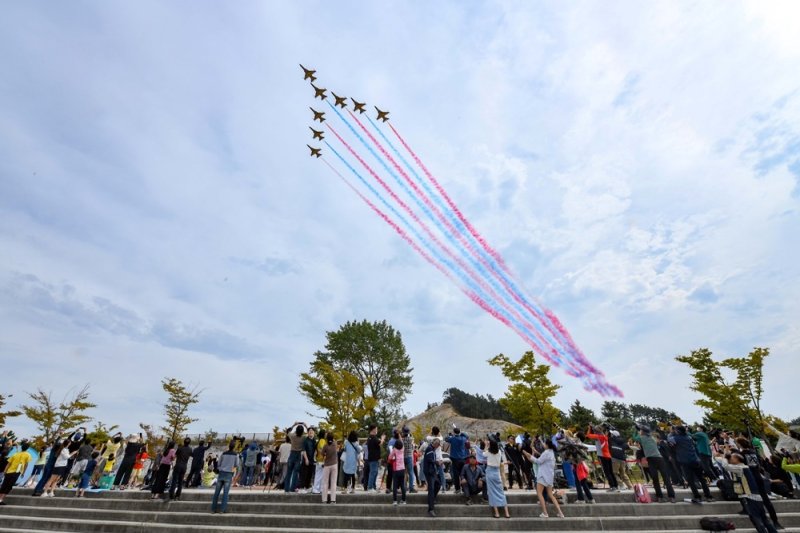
pixel 319 92
pixel 317 134
pixel 341 101
pixel 358 106
pixel 382 115
pixel 308 73
pixel 318 115
pixel 315 151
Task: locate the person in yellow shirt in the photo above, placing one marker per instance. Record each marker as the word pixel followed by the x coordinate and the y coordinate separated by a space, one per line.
pixel 17 464
pixel 319 459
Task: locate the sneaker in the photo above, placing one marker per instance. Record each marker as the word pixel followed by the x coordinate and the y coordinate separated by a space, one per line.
pixel 413 491
pixel 672 500
pixel 592 502
pixel 696 501
pixel 403 502
pixel 710 499
pixel 394 503
pixel 432 513
pixel 469 502
pixel 580 502
pixel 543 515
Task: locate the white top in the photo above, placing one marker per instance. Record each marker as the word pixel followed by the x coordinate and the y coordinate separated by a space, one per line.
pixel 493 459
pixel 547 467
pixel 283 452
pixel 63 458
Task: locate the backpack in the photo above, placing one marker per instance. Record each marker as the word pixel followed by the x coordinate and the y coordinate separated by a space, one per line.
pixel 725 486
pixel 708 523
pixel 640 494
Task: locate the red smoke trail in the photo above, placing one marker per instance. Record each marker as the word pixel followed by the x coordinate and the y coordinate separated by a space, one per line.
pixel 571 346
pixel 470 294
pixel 571 362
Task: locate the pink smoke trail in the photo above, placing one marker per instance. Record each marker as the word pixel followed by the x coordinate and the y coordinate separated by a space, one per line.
pixel 572 346
pixel 470 294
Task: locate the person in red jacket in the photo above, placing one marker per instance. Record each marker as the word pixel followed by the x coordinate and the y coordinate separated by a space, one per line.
pixel 604 454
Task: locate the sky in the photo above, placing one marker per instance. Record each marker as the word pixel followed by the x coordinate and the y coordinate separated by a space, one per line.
pixel 637 164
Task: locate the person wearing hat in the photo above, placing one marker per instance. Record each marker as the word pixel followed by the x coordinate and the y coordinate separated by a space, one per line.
pixel 655 464
pixel 471 479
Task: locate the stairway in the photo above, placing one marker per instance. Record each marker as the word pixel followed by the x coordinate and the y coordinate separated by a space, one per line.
pixel 254 510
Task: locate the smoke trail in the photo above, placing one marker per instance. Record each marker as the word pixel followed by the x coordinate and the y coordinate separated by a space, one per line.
pixel 449 232
pixel 552 357
pixel 551 320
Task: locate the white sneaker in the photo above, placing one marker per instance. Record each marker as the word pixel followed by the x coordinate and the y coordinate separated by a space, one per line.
pixel 394 503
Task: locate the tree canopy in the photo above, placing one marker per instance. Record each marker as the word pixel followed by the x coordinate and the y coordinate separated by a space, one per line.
pixel 339 393
pixel 54 418
pixel 6 414
pixel 476 405
pixel 176 409
pixel 732 404
pixel 579 416
pixel 373 352
pixel 529 398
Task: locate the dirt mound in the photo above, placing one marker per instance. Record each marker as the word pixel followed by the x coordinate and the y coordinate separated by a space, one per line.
pixel 445 416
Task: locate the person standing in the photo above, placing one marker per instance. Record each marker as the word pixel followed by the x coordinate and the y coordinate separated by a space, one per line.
pixel 751 460
pixel 373 456
pixel 703 444
pixel 16 466
pixel 408 454
pixel 132 449
pixel 227 464
pixel 604 454
pixel 319 461
pixel 284 452
pixel 655 464
pixel 86 475
pixel 494 462
pixel 182 456
pixel 47 471
pixel 59 467
pixel 430 469
pixel 581 481
pixel 397 460
pixel 351 450
pixel 196 469
pixel 545 477
pixel 330 469
pixel 619 445
pixel 436 434
pixel 164 465
pixel 686 455
pixel 458 454
pixel 296 457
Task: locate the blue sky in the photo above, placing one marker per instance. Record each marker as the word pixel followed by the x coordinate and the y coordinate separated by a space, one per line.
pixel 638 166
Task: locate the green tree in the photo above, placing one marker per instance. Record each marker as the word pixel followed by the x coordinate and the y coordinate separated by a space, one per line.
pixel 529 397
pixel 579 416
pixel 101 433
pixel 618 415
pixel 339 394
pixel 54 418
pixel 736 404
pixel 476 405
pixel 651 415
pixel 6 414
pixel 375 353
pixel 176 409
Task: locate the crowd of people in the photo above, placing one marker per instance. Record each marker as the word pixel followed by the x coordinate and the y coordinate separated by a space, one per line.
pixel 318 461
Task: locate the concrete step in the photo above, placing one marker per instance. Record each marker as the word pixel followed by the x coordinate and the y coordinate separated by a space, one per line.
pixel 267 506
pixel 389 519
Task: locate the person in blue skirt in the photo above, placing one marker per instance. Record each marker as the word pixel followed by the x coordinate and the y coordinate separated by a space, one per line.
pixel 497 497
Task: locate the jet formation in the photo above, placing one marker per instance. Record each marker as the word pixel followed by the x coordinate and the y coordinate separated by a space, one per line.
pixel 340 101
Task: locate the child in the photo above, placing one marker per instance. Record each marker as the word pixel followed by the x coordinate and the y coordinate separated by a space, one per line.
pixel 87 474
pixel 397 461
pixel 581 484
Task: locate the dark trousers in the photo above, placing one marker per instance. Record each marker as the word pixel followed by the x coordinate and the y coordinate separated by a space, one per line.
pixel 9 480
pixel 176 485
pixel 193 479
pixel 708 469
pixel 124 472
pixel 514 473
pixel 471 490
pixel 527 473
pixel 456 466
pixel 582 487
pixel 762 490
pixel 388 477
pixel 365 476
pixel 398 481
pixel 755 511
pixel 693 473
pixel 608 470
pixel 432 480
pixel 46 474
pixel 292 472
pixel 656 466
